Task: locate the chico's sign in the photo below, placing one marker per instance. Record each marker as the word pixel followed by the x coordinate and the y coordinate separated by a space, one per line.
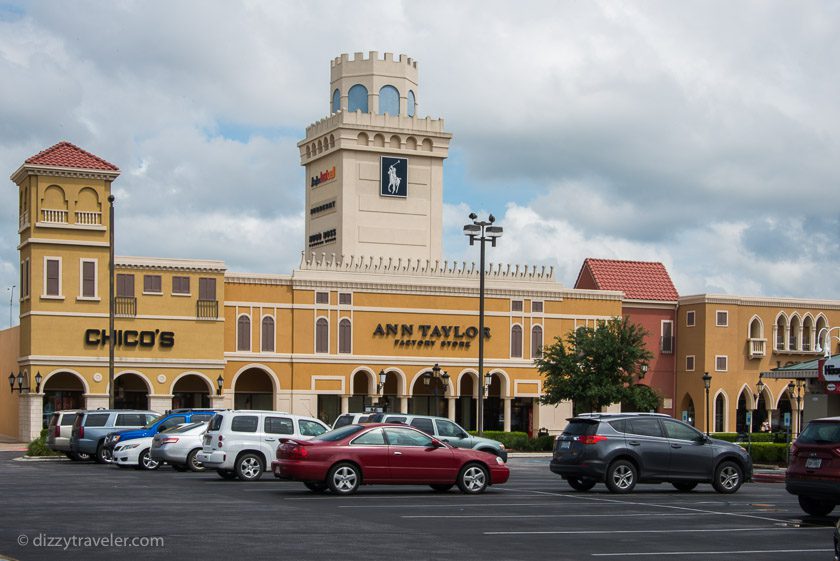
pixel 131 338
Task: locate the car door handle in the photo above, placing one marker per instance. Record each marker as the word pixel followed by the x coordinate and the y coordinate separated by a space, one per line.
pixel 397 453
pixel 676 445
pixel 270 439
pixel 635 443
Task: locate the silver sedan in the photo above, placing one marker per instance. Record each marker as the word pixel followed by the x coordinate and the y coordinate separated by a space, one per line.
pixel 179 445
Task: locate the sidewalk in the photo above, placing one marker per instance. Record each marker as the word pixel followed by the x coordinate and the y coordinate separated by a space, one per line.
pixel 13 447
pixel 768 474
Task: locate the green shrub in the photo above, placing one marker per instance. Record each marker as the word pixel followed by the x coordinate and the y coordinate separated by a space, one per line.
pixel 519 441
pixel 38 447
pixel 767 452
pixel 754 437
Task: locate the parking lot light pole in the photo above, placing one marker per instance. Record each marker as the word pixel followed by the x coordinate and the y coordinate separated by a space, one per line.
pixel 707 384
pixel 481 231
pixel 111 303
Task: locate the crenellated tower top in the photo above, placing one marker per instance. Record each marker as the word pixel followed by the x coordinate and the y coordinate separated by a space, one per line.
pixel 374 84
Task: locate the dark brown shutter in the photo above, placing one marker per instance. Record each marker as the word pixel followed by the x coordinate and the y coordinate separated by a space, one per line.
pixel 322 336
pixel 88 279
pixel 243 339
pixel 345 332
pixel 536 342
pixel 206 289
pixel 268 334
pixel 516 342
pixel 52 277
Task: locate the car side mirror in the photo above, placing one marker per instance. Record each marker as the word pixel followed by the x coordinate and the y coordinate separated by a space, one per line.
pixel 437 443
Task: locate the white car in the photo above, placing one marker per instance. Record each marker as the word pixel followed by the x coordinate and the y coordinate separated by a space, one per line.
pixel 243 443
pixel 135 453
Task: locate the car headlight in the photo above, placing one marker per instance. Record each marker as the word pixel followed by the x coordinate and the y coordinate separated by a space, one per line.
pixel 500 461
pixel 128 447
pixel 502 446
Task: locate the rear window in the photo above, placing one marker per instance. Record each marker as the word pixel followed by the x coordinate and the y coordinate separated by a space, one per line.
pixel 395 420
pixel 200 417
pixel 820 433
pixel 343 421
pixel 183 428
pixel 54 420
pixel 424 425
pixel 580 428
pixel 216 422
pixel 97 420
pixel 67 419
pixel 311 428
pixel 620 426
pixel 130 420
pixel 172 422
pixel 244 423
pixel 338 434
pixel 279 425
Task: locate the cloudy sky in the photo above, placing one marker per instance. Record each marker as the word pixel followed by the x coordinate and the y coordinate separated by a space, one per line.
pixel 705 135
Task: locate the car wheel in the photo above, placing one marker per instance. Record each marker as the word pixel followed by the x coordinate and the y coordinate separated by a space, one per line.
pixel 192 462
pixel 316 486
pixel 473 479
pixel 684 486
pixel 79 456
pixel 147 462
pixel 179 467
pixel 621 476
pixel 728 477
pixel 249 467
pixel 815 507
pixel 344 479
pixel 581 483
pixel 69 455
pixel 442 487
pixel 227 474
pixel 103 455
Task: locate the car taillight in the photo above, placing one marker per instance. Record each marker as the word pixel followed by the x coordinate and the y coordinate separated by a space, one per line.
pixel 168 440
pixel 298 452
pixel 57 431
pixel 594 439
pixel 220 441
pixel 836 451
pixel 82 431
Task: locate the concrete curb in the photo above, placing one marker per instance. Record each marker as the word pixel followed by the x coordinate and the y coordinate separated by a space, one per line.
pixel 529 454
pixel 42 459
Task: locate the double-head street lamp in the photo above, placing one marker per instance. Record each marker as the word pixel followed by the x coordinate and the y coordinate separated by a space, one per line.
pixel 481 231
pixel 23 383
pixel 827 342
pixel 707 384
pixel 437 374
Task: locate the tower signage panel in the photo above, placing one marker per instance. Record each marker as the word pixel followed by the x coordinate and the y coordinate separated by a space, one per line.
pixel 393 177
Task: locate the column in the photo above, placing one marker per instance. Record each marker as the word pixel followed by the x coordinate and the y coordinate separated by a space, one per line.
pixel 506 426
pixel 217 402
pixel 451 411
pixel 30 416
pixel 160 403
pixel 404 404
pixel 345 404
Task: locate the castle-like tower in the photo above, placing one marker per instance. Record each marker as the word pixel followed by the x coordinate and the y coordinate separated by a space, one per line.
pixel 374 170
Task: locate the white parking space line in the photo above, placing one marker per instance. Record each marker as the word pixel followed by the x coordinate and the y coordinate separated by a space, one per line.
pixel 619 515
pixel 675 507
pixel 773 529
pixel 734 552
pixel 471 505
pixel 357 496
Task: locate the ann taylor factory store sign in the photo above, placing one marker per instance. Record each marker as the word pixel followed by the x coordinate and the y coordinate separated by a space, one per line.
pixel 447 336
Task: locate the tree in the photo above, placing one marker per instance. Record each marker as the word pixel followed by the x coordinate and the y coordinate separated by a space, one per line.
pixel 595 367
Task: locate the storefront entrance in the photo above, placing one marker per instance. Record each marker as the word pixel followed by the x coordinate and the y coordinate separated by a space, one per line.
pixel 191 391
pixel 63 390
pixel 253 389
pixel 130 392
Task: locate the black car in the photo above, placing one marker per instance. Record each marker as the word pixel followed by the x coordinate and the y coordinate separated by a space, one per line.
pixel 623 449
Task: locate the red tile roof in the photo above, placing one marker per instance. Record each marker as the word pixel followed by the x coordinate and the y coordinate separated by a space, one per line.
pixel 67 155
pixel 639 280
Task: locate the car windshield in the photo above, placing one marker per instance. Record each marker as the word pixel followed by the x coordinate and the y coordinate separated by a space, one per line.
pixel 338 434
pixel 820 433
pixel 184 428
pixel 154 421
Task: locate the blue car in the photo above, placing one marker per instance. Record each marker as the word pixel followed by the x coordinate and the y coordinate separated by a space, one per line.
pixel 159 424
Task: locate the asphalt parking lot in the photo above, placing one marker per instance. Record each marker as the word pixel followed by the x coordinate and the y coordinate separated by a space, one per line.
pixel 535 516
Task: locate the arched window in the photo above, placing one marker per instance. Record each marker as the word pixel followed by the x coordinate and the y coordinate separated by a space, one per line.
pixel 793 343
pixel 268 334
pixel 516 341
pixel 412 103
pixel 336 101
pixel 389 101
pixel 322 336
pixel 357 99
pixel 720 412
pixel 756 331
pixel 345 334
pixel 243 333
pixel 536 342
pixel 781 327
pixel 807 333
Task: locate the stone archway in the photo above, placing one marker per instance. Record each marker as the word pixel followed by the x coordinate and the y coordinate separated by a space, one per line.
pixel 428 396
pixel 687 411
pixel 63 390
pixel 360 397
pixel 131 391
pixel 253 389
pixel 465 406
pixel 494 405
pixel 191 391
pixel 390 400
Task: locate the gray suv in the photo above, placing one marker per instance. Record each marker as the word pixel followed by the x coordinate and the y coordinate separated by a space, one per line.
pixel 439 427
pixel 623 449
pixel 91 427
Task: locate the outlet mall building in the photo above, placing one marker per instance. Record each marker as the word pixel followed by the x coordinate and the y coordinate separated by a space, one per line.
pixel 372 297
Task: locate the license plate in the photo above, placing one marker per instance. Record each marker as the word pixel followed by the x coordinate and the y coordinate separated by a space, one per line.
pixel 813 463
pixel 565 444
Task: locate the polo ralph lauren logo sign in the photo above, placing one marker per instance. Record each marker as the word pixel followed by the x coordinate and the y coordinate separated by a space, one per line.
pixel 393 177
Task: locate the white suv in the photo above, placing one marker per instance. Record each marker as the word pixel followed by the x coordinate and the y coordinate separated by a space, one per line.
pixel 242 443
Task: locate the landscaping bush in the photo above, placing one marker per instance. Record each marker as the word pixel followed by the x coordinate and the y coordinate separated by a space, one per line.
pixel 767 452
pixel 519 441
pixel 38 447
pixel 754 437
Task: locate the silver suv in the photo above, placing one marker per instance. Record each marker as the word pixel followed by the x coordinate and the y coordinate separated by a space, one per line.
pixel 58 434
pixel 439 427
pixel 90 428
pixel 242 443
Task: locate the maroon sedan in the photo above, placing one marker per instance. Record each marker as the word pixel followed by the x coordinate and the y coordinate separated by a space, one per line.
pixel 354 455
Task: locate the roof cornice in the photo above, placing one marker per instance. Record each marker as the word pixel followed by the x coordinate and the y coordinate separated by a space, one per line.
pixel 57 171
pixel 759 301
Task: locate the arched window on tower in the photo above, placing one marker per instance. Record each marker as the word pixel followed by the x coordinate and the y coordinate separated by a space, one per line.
pixel 357 99
pixel 516 341
pixel 536 342
pixel 268 334
pixel 412 103
pixel 322 336
pixel 243 333
pixel 389 101
pixel 336 101
pixel 345 333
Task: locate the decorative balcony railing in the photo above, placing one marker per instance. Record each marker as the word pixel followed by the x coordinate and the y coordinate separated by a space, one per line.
pixel 54 216
pixel 207 309
pixel 87 218
pixel 125 306
pixel 23 220
pixel 757 347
